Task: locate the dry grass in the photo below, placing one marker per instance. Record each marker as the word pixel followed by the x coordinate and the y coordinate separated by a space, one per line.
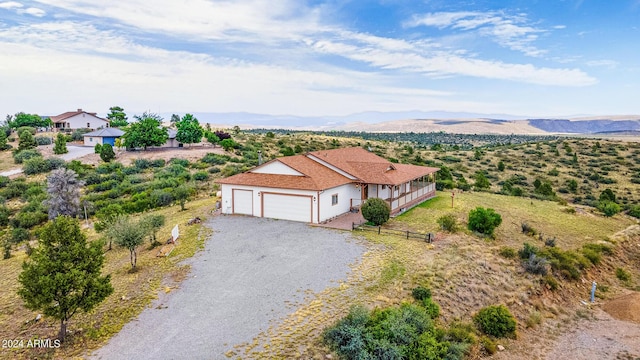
pixel 133 291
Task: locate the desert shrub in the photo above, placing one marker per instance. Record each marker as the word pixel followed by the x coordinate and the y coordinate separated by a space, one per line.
pixel 593 256
pixel 97 149
pixel 622 274
pixel 19 235
pixel 4 180
pixel 536 265
pixel 608 208
pixel 106 153
pixel 215 159
pixel 160 198
pixel 30 129
pixel 568 264
pixel 448 223
pixel 507 252
pixel 550 242
pixel 599 248
pixel 4 215
pixel 43 140
pixel 36 165
pixel 551 282
pixel 461 332
pixel 21 156
pixel 534 319
pixel 28 219
pixel 495 320
pixel 420 293
pixel 528 229
pixel 157 163
pixel 214 170
pixel 432 308
pixel 79 168
pixel 527 250
pixel 376 210
pixel 141 164
pixel 55 163
pixel 484 221
pixel 201 176
pixel 489 346
pixel 182 162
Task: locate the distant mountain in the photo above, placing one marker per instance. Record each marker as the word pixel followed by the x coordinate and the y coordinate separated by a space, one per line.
pixel 585 126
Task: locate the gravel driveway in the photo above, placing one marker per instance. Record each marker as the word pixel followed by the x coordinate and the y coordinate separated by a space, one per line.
pixel 238 284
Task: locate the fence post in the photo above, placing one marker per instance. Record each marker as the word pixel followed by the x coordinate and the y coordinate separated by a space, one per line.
pixel 378 229
pixel 407 234
pixel 353 226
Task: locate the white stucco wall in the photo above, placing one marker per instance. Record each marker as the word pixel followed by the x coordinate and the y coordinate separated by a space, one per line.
pixel 92 140
pixel 345 194
pixel 81 121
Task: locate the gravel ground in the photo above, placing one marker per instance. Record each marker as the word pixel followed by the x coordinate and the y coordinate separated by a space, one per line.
pixel 239 284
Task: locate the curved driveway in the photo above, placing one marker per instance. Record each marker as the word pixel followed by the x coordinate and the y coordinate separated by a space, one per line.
pixel 238 284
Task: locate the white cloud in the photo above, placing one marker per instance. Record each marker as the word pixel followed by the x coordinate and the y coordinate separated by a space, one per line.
pixel 34 12
pixel 10 5
pixel 611 64
pixel 510 31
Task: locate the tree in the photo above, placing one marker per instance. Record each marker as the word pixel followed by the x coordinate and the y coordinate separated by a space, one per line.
pixel 21 119
pixel 222 135
pixel 153 223
pixel 572 185
pixel 182 193
pixel 608 195
pixel 97 149
pixel 106 153
pixel 481 181
pixel 127 234
pixel 175 118
pixel 376 210
pixel 106 216
pixel 60 146
pixel 211 137
pixel 484 221
pixel 189 130
pixel 3 141
pixel 501 166
pixel 146 131
pixel 26 141
pixel 228 144
pixel 63 274
pixel 63 188
pixel 117 117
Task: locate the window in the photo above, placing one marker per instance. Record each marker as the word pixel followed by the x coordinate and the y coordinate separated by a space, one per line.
pixel 88 125
pixel 334 199
pixel 90 139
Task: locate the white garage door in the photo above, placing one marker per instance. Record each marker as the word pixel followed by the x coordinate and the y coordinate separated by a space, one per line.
pixel 242 202
pixel 287 207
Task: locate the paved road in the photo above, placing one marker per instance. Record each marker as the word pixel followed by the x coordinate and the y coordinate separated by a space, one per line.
pixel 238 284
pixel 74 153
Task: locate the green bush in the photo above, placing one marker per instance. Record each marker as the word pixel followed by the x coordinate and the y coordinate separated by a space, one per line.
pixel 43 140
pixel 484 221
pixel 60 146
pixel 536 265
pixel 201 176
pixel 608 208
pixel 30 129
pixel 106 153
pixel 495 320
pixel 448 223
pixel 507 252
pixel 4 181
pixel 489 345
pixel 635 211
pixel 35 166
pixel 420 293
pixel 376 211
pixel 432 308
pixel 19 235
pixel 551 282
pixel 20 156
pixel 4 215
pixel 97 149
pixel 528 229
pixel 527 251
pixel 622 274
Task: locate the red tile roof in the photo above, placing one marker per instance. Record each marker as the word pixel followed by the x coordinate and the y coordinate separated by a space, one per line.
pixel 365 166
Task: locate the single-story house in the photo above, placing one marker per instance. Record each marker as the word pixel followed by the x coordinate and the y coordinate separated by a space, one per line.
pixel 321 185
pixel 102 136
pixel 80 119
pixel 171 141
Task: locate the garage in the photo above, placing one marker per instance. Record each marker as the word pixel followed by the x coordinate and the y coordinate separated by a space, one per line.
pixel 243 202
pixel 287 206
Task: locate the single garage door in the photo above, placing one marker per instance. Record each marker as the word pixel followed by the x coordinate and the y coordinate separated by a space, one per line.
pixel 287 207
pixel 242 202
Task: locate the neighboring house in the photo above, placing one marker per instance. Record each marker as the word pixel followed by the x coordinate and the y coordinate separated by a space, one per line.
pixel 171 141
pixel 80 119
pixel 323 184
pixel 102 136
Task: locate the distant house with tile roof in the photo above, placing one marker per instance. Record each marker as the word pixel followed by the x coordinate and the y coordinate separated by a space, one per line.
pixel 80 119
pixel 321 185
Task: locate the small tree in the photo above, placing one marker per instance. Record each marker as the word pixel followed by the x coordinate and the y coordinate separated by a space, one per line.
pixel 106 153
pixel 501 166
pixel 484 221
pixel 481 181
pixel 117 117
pixel 182 193
pixel 496 321
pixel 26 141
pixel 3 141
pixel 63 274
pixel 189 130
pixel 146 131
pixel 63 188
pixel 448 223
pixel 127 234
pixel 376 210
pixel 153 223
pixel 211 137
pixel 60 146
pixel 97 149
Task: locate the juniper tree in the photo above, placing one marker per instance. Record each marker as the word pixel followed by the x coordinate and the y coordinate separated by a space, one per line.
pixel 63 188
pixel 63 274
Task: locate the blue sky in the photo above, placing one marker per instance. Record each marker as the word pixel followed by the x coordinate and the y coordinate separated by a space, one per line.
pixel 531 58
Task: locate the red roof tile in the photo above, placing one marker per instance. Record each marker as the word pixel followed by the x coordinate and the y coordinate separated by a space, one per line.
pixel 69 114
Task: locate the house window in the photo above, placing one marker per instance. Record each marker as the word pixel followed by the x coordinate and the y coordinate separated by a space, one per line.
pixel 88 125
pixel 90 139
pixel 334 199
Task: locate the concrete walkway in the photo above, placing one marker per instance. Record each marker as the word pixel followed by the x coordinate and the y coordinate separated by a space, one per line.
pixel 74 153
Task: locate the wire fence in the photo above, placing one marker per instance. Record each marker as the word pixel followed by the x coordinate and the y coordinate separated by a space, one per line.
pixel 427 237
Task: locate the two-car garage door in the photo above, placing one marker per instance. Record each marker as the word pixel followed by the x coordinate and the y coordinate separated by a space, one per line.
pixel 274 205
pixel 287 207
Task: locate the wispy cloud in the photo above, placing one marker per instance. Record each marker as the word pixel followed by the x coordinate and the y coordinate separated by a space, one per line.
pixel 10 5
pixel 610 64
pixel 511 31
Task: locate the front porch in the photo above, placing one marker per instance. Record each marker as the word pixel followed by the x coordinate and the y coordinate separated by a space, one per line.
pixel 399 197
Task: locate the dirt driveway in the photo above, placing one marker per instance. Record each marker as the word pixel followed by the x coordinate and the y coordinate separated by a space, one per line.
pixel 250 269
